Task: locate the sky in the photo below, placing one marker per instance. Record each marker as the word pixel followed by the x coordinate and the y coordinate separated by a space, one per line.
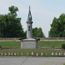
pixel 43 11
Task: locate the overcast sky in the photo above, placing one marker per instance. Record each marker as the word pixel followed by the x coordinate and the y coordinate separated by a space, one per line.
pixel 43 11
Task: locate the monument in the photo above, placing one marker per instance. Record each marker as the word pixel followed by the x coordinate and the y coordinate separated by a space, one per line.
pixel 29 42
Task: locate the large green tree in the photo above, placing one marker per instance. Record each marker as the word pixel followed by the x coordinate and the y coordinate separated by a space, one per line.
pixel 58 27
pixel 37 32
pixel 11 24
pixel 2 25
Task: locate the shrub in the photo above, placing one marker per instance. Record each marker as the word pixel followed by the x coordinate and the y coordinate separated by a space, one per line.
pixel 63 46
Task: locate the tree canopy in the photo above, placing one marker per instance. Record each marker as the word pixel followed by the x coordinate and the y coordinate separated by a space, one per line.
pixel 10 24
pixel 37 32
pixel 58 27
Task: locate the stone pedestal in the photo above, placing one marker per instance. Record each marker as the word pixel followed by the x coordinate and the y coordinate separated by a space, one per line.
pixel 29 44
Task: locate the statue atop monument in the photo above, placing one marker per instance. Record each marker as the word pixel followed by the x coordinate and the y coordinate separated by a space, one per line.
pixel 29 16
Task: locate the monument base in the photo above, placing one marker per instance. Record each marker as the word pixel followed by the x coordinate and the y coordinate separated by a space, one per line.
pixel 29 44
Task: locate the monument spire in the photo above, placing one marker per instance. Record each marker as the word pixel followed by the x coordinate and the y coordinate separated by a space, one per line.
pixel 29 24
pixel 29 16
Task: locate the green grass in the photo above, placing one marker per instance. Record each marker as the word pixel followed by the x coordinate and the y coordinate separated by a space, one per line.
pixel 64 64
pixel 40 43
pixel 10 44
pixel 50 43
pixel 24 51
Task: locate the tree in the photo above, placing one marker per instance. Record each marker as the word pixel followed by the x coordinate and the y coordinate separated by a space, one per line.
pixel 13 10
pixel 58 27
pixel 15 27
pixel 11 24
pixel 2 25
pixel 37 32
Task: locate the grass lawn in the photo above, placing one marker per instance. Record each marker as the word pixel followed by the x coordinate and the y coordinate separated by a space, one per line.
pixel 63 64
pixel 50 43
pixel 40 43
pixel 24 51
pixel 10 44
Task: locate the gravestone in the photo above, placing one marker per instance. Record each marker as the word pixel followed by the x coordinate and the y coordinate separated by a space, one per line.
pixel 29 42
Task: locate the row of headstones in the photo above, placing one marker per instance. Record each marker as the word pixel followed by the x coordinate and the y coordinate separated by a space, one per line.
pixel 60 53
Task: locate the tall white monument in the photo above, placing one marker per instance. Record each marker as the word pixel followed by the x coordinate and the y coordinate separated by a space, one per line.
pixel 29 42
pixel 29 24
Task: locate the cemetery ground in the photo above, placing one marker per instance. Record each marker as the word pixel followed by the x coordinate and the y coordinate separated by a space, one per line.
pixel 27 52
pixel 40 43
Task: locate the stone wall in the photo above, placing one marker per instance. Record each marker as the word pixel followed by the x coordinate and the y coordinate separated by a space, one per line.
pixel 41 39
pixel 9 39
pixel 53 39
